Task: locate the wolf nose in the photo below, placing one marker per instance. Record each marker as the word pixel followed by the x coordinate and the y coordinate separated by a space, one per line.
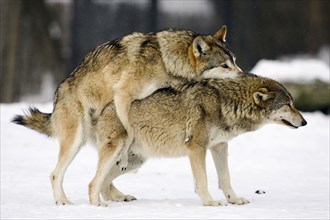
pixel 303 123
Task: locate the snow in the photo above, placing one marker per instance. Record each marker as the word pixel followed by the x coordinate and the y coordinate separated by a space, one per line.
pixel 291 166
pixel 173 7
pixel 302 68
pixel 200 7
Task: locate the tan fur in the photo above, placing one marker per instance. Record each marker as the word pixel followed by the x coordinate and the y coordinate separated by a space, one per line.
pixel 193 118
pixel 123 70
pixel 185 120
pixel 159 65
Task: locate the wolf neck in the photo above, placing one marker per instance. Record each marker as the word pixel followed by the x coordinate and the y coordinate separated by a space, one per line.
pixel 177 54
pixel 245 119
pixel 238 108
pixel 232 123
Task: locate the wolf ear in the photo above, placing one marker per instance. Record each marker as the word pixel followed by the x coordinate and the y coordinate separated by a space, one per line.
pixel 200 46
pixel 221 34
pixel 262 95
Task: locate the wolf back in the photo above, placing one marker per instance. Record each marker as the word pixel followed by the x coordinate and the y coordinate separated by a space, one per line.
pixel 123 70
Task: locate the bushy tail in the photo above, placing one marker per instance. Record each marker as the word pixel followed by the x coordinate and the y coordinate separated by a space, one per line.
pixel 36 120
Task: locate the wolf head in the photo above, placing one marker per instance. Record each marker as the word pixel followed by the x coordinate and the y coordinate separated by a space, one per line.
pixel 277 103
pixel 213 58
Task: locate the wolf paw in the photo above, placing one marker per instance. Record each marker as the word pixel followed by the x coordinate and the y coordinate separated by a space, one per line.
pixel 98 204
pixel 214 203
pixel 123 162
pixel 63 202
pixel 129 198
pixel 124 198
pixel 239 201
pixel 101 204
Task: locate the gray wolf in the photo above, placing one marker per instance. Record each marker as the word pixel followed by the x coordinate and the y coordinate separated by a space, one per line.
pixel 122 70
pixel 185 120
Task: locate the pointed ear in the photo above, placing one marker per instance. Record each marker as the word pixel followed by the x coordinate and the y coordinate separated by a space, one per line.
pixel 200 46
pixel 262 95
pixel 221 34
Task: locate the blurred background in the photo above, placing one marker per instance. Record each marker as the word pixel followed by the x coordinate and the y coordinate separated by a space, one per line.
pixel 42 41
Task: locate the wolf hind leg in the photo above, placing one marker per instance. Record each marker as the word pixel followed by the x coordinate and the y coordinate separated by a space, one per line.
pixel 108 154
pixel 70 145
pixel 109 191
pixel 220 158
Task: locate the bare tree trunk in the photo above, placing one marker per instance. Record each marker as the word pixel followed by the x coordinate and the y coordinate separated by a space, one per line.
pixel 28 51
pixel 315 26
pixel 75 35
pixel 152 19
pixel 10 17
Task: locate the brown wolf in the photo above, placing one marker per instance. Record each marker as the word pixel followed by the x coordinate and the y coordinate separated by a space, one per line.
pixel 125 69
pixel 185 120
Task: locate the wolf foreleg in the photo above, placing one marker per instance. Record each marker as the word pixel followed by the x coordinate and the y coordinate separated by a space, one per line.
pixel 125 93
pixel 198 166
pixel 123 100
pixel 220 158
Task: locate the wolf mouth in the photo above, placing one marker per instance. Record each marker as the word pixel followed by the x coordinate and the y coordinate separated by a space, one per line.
pixel 288 123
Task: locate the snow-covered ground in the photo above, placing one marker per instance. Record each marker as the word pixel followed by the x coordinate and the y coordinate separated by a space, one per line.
pixel 291 166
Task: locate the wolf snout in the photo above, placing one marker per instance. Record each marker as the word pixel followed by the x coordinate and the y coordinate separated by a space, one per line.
pixel 304 122
pixel 300 120
pixel 294 124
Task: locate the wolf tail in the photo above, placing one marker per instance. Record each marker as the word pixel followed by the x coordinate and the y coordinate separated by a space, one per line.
pixel 35 120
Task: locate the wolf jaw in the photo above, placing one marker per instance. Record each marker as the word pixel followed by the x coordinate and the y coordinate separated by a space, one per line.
pixel 289 116
pixel 288 123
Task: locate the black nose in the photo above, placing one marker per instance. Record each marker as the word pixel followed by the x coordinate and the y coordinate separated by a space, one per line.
pixel 303 123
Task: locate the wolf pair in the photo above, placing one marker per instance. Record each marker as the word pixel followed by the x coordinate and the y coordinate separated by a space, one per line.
pixel 202 101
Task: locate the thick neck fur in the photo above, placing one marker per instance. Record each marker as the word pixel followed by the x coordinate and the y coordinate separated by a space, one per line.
pixel 175 47
pixel 236 110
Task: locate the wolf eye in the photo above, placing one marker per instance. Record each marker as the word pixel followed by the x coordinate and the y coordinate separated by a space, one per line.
pixel 225 66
